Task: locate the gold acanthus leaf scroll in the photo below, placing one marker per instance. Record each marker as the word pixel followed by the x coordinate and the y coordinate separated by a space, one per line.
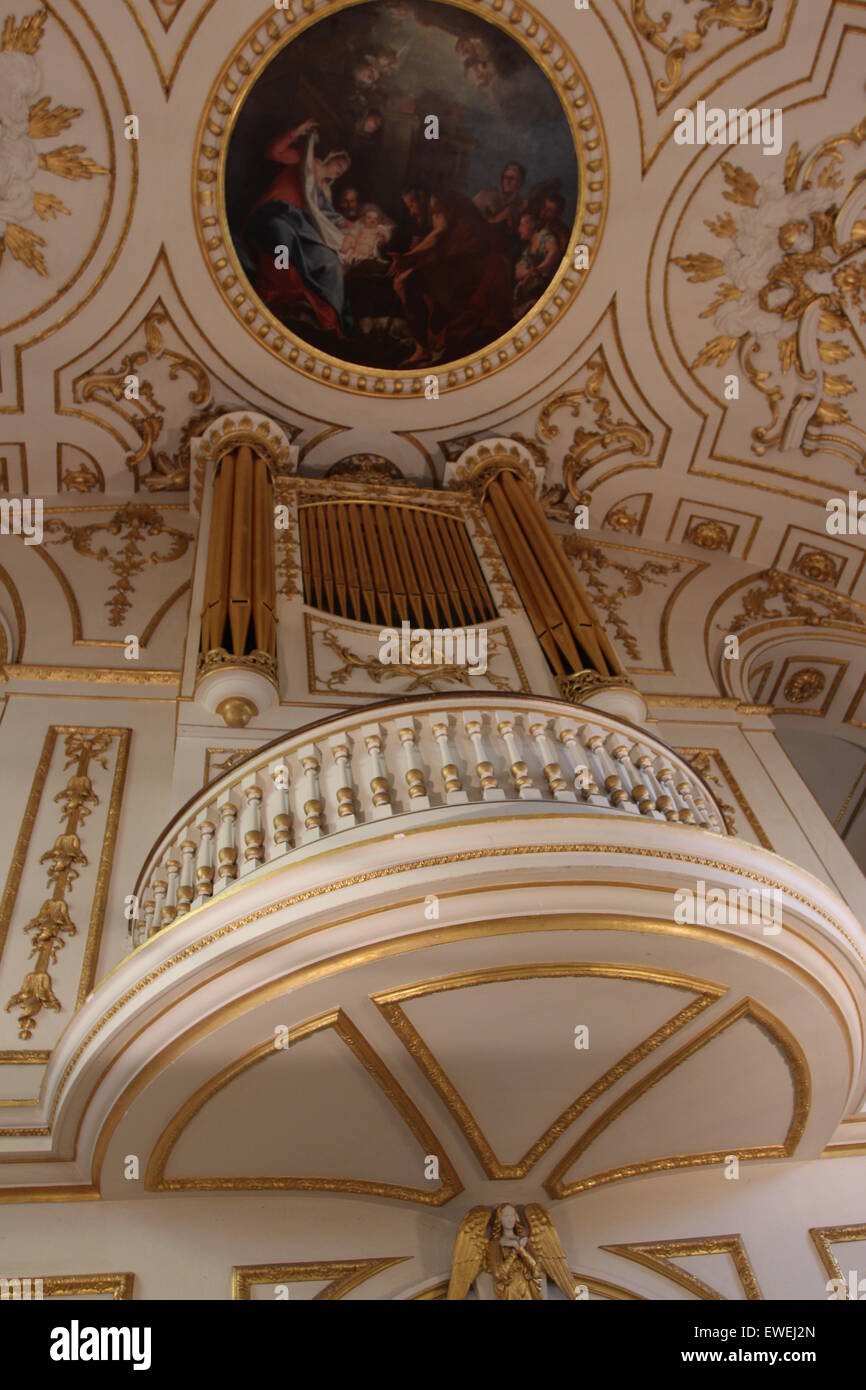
pixel 798 599
pixel 141 410
pixel 789 293
pixel 420 677
pixel 609 437
pixel 591 560
pixel 748 16
pixel 26 119
pixel 131 524
pixel 64 859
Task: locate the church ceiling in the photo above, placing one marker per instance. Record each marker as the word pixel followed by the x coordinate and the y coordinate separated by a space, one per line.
pixel 693 369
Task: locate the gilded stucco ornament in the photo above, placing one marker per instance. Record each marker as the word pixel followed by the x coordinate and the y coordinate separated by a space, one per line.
pixel 507 1257
pixel 790 293
pixel 26 119
pixel 748 16
pixel 264 437
pixel 477 466
pixel 805 686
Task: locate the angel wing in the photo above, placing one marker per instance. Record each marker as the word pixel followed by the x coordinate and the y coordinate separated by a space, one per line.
pixel 546 1246
pixel 470 1250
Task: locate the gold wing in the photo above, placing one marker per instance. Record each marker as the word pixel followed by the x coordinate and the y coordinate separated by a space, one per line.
pixel 470 1249
pixel 546 1246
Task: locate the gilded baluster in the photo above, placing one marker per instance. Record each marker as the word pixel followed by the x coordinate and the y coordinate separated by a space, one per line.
pixel 684 787
pixel 186 887
pixel 549 761
pixel 665 774
pixel 311 762
pixel 617 746
pixel 342 756
pixel 581 763
pixel 227 849
pixel 160 888
pixel 205 863
pixel 377 771
pixel 519 770
pixel 282 817
pixel 454 793
pixel 490 788
pixel 418 798
pixel 172 873
pixel 642 759
pixel 252 828
pixel 149 909
pixel 609 777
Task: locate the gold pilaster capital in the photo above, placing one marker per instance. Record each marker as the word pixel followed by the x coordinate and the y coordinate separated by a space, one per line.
pixel 481 463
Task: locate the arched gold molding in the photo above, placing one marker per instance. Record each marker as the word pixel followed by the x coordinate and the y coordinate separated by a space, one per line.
pixel 344 1275
pixel 44 333
pixel 156 1181
pixel 167 79
pixel 798 1067
pixel 390 1003
pixel 659 1256
pixel 262 41
pixel 348 960
pixel 17 608
pixel 825 1237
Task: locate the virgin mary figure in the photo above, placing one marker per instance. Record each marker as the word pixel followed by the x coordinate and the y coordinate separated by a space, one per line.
pixel 297 213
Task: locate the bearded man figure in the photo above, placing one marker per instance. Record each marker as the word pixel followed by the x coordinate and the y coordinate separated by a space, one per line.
pixel 453 281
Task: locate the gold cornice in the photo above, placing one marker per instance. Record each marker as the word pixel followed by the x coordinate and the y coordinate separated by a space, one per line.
pixel 156 1181
pixel 389 1003
pixel 602 1288
pixel 344 1275
pixel 798 1067
pixel 93 675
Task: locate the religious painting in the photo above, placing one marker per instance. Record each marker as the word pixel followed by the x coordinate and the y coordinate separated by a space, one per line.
pixel 401 184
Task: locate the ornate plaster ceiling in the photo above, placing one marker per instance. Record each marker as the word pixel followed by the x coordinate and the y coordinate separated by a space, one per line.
pixel 709 262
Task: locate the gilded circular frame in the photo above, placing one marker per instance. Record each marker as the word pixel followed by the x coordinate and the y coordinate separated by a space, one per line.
pixel 260 44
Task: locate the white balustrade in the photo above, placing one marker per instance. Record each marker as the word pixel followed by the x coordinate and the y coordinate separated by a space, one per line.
pixel 429 756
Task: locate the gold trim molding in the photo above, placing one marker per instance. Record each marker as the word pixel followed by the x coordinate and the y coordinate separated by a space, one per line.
pixel 659 1255
pixel 344 1275
pixel 336 1019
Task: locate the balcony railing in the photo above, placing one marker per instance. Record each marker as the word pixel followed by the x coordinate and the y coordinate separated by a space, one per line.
pixel 423 757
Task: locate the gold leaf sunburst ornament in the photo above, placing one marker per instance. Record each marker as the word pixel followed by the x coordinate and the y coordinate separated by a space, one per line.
pixel 26 118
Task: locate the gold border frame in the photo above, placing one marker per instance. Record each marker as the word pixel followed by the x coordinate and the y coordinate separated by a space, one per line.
pixel 217 125
pixel 336 1019
pixel 120 1286
pixel 801 1081
pixel 658 1254
pixel 823 1238
pixel 388 1002
pixel 345 1275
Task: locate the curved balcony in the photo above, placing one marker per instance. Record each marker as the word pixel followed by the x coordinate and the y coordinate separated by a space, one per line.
pixel 425 761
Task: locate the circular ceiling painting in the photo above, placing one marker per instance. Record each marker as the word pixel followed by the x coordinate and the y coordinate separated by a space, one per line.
pixel 401 184
pixel 393 187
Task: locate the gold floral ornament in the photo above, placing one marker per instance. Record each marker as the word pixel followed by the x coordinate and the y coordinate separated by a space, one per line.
pixel 800 600
pixel 421 676
pixel 591 561
pixel 131 524
pixel 748 16
pixel 611 435
pixel 790 293
pixel 805 685
pixel 145 414
pixel 65 858
pixel 27 119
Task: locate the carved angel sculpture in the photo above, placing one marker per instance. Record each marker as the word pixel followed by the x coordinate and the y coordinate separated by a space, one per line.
pixel 507 1257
